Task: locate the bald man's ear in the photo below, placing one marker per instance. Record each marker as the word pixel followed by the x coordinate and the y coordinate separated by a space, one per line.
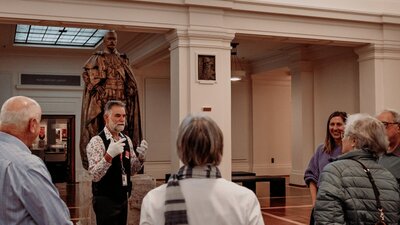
pixel 33 125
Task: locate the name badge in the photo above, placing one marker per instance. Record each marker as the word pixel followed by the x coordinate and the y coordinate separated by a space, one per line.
pixel 127 154
pixel 124 180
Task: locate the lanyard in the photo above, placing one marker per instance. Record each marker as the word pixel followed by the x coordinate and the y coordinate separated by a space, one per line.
pixel 122 163
pixel 123 174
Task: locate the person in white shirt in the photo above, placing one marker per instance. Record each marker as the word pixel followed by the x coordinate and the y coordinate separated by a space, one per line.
pixel 197 194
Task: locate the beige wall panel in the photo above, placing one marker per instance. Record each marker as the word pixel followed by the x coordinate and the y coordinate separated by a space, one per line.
pixel 272 126
pixel 241 120
pixel 336 88
pixel 157 110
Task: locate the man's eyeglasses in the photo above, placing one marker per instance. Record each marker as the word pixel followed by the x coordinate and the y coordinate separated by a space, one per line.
pixel 387 124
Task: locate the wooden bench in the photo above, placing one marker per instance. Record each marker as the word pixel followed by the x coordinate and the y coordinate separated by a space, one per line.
pixel 277 183
pixel 249 179
pixel 234 173
pixel 242 173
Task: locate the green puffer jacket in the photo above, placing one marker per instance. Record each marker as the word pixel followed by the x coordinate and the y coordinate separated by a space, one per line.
pixel 345 194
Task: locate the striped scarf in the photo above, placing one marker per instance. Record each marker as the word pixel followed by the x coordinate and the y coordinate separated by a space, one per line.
pixel 175 206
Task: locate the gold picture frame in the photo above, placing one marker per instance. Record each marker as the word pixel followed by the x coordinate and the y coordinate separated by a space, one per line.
pixel 206 72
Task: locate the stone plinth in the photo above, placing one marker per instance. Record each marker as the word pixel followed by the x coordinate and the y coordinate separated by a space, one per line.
pixel 86 213
pixel 141 184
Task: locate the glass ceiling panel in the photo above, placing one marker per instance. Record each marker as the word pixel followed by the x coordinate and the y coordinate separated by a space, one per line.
pixel 57 36
pixel 22 28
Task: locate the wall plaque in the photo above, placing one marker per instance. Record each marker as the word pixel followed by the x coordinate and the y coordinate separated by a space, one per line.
pixel 59 80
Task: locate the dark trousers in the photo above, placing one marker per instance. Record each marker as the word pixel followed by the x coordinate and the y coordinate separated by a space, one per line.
pixel 312 222
pixel 109 211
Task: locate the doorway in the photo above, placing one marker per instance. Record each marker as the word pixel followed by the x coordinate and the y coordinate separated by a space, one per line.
pixel 55 145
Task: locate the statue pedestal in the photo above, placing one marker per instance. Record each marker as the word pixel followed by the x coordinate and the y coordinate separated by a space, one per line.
pixel 141 184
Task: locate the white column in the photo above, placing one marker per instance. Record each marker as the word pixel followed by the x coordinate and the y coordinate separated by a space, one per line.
pixel 189 95
pixel 379 68
pixel 302 116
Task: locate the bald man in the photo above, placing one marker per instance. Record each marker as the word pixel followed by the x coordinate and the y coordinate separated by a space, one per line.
pixel 28 195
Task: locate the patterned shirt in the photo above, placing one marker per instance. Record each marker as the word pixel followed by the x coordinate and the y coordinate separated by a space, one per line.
pixel 28 195
pixel 98 166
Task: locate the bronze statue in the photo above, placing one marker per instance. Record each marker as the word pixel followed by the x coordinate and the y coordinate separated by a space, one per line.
pixel 108 76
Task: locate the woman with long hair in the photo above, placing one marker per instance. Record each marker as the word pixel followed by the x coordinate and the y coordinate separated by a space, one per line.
pixel 325 152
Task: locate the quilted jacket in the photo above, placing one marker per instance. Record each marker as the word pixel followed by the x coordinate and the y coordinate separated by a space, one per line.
pixel 345 194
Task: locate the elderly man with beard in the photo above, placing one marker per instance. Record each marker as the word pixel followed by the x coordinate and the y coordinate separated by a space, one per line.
pixel 112 161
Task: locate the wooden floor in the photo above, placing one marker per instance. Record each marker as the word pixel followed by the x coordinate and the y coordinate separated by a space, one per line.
pixel 293 209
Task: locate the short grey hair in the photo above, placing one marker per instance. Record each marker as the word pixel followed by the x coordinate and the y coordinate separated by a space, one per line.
pixel 18 110
pixel 368 132
pixel 395 114
pixel 110 104
pixel 200 141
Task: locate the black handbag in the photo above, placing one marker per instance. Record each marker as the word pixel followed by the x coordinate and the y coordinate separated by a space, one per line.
pixel 376 193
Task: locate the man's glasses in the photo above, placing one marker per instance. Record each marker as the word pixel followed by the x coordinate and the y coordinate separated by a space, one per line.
pixel 387 124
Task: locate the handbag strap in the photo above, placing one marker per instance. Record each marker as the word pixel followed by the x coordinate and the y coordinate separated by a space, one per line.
pixel 376 191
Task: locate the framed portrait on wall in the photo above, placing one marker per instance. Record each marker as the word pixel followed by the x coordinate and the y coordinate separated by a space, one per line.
pixel 206 68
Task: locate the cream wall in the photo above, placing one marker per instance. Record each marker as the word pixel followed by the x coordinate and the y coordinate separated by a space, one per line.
pixel 271 108
pixel 190 95
pixel 157 126
pixel 54 100
pixel 242 144
pixel 336 89
pixel 156 117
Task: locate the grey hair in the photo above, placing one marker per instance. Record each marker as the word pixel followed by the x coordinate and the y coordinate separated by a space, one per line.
pixel 395 114
pixel 368 132
pixel 200 141
pixel 18 115
pixel 110 104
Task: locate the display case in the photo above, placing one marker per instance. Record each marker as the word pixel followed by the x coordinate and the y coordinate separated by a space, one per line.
pixel 55 145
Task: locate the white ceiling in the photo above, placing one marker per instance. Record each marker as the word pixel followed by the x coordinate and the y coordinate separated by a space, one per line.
pixel 251 48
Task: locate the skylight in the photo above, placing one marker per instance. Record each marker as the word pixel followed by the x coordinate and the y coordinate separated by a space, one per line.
pixel 57 36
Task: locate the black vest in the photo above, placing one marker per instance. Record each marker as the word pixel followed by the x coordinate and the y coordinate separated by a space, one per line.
pixel 110 184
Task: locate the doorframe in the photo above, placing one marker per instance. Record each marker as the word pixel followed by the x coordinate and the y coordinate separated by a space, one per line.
pixel 70 143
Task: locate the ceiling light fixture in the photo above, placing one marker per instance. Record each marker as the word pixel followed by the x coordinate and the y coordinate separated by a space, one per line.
pixel 238 71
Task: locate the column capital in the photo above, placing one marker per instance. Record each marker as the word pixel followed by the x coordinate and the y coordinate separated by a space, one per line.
pixel 300 60
pixel 197 37
pixel 378 51
pixel 301 66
